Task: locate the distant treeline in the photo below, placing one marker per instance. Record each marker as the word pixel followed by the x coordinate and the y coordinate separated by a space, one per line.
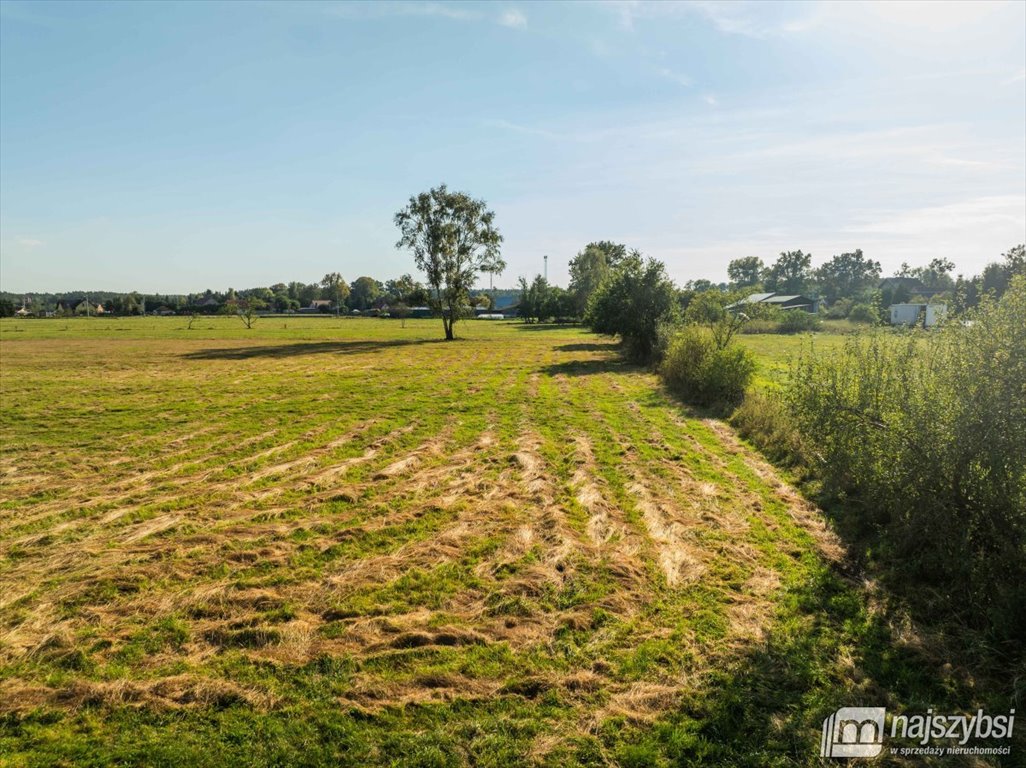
pixel 847 285
pixel 330 295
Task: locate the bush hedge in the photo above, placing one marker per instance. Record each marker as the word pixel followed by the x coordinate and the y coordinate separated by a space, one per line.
pixel 703 372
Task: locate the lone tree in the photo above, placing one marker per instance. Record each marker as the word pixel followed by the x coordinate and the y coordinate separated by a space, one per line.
pixel 244 309
pixel 453 237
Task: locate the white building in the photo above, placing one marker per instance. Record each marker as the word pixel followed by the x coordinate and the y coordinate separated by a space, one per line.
pixel 914 314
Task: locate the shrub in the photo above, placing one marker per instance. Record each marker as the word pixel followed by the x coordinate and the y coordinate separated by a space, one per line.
pixel 764 419
pixel 863 313
pixel 704 373
pixel 760 326
pixel 923 436
pixel 797 321
pixel 707 306
pixel 839 309
pixel 776 320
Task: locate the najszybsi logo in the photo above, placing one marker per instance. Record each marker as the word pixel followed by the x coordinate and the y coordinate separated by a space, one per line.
pixel 859 732
pixel 853 732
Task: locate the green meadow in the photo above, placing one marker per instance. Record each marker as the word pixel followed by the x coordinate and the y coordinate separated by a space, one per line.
pixel 331 541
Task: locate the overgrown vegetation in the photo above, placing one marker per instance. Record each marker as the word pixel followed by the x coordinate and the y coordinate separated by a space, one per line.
pixel 775 320
pixel 924 437
pixel 919 440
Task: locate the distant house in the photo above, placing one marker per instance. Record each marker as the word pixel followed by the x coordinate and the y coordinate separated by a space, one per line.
pixel 928 315
pixel 84 307
pixel 317 306
pixel 209 305
pixel 783 301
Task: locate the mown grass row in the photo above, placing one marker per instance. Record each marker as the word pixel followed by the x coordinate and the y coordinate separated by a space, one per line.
pixel 459 645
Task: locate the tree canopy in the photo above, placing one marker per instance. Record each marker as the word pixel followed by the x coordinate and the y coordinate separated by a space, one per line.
pixel 790 273
pixel 846 274
pixel 745 272
pixel 632 302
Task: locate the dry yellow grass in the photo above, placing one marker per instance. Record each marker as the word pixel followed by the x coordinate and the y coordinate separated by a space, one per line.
pixel 192 522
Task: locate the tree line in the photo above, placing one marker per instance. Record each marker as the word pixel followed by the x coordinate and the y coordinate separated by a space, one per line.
pixel 363 294
pixel 454 239
pixel 849 285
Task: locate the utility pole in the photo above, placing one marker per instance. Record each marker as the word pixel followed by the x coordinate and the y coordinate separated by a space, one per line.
pixel 546 258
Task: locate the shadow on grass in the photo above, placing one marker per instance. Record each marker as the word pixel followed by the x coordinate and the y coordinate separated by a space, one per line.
pixel 609 346
pixel 546 326
pixel 588 367
pixel 826 649
pixel 274 351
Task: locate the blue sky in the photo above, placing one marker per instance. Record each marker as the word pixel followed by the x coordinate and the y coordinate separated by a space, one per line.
pixel 176 147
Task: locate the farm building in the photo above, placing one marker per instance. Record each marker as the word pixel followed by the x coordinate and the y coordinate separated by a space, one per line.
pixel 928 315
pixel 784 301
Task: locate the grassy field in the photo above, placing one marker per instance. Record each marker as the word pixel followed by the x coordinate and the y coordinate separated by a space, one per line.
pixel 775 352
pixel 344 542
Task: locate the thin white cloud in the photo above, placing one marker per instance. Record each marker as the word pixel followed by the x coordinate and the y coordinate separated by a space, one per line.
pixel 737 17
pixel 528 130
pixel 625 10
pixel 29 242
pixel 676 77
pixel 757 20
pixel 513 18
pixel 711 100
pixel 1018 77
pixel 389 9
pixel 1000 212
pixel 961 162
